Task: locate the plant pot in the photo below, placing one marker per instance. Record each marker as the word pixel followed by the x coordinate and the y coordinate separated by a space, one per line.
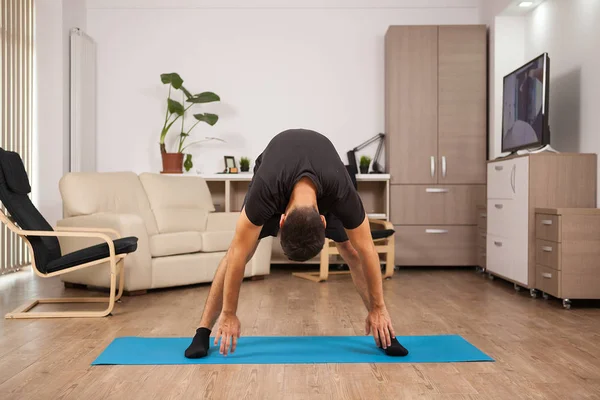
pixel 172 163
pixel 245 168
pixel 364 169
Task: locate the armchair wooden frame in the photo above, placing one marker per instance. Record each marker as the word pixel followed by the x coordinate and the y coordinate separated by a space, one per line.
pixel 382 246
pixel 116 267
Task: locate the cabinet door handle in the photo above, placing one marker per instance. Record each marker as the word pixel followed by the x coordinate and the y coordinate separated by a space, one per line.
pixel 513 175
pixel 443 166
pixel 437 190
pixel 547 249
pixel 498 167
pixel 547 275
pixel 546 222
pixel 436 231
pixel 432 166
pixel 499 206
pixel 499 244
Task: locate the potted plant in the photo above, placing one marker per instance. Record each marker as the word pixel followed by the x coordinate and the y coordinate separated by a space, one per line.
pixel 173 162
pixel 365 161
pixel 245 164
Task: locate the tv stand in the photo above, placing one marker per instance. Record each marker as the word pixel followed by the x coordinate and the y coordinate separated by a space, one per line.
pixel 538 150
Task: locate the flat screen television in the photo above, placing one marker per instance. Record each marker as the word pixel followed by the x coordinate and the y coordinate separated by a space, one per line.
pixel 525 106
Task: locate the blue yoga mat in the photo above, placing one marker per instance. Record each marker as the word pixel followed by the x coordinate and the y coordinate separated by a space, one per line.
pixel 291 350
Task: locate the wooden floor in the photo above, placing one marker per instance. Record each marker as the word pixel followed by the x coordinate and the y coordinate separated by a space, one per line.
pixel 542 351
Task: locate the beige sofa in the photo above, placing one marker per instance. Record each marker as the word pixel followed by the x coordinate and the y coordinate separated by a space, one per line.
pixel 181 237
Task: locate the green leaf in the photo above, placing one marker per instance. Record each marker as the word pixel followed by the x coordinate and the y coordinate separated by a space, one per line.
pixel 186 92
pixel 173 78
pixel 204 97
pixel 175 107
pixel 188 164
pixel 210 119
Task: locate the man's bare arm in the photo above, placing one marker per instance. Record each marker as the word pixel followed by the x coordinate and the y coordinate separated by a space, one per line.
pixel 378 321
pixel 243 243
pixel 362 241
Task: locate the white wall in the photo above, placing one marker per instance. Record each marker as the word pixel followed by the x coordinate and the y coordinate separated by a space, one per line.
pixel 54 18
pixel 507 53
pixel 276 65
pixel 570 32
pixel 489 9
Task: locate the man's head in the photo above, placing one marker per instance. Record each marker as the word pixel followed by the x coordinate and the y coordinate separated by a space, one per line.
pixel 302 233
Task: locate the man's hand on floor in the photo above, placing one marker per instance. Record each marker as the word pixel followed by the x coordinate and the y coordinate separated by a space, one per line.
pixel 379 324
pixel 229 332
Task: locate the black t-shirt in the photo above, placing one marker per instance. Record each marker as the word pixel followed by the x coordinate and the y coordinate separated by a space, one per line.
pixel 294 154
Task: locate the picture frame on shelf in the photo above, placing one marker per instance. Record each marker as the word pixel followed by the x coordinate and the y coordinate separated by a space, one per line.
pixel 230 166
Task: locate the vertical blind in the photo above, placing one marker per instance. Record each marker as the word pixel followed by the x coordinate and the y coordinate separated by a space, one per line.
pixel 16 101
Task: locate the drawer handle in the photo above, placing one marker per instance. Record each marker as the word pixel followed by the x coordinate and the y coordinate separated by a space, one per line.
pixel 546 222
pixel 547 275
pixel 437 190
pixel 483 215
pixel 547 249
pixel 436 231
pixel 499 244
pixel 499 206
pixel 498 167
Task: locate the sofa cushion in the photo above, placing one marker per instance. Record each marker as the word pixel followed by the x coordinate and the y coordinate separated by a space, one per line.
pixel 86 193
pixel 169 244
pixel 179 203
pixel 216 241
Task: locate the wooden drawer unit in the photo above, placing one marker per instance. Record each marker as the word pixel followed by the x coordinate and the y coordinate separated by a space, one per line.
pixel 436 245
pixel 481 239
pixel 548 253
pixel 546 227
pixel 435 204
pixel 548 280
pixel 480 251
pixel 567 252
pixel 482 218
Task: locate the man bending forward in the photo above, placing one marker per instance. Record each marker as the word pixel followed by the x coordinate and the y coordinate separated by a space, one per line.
pixel 301 188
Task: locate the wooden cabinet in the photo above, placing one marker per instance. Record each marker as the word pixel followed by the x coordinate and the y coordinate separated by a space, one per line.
pixel 435 204
pixel 567 253
pixel 436 245
pixel 516 186
pixel 435 121
pixel 481 250
pixel 411 73
pixel 462 104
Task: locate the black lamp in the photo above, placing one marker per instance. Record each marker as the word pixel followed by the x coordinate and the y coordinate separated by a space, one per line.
pixel 377 169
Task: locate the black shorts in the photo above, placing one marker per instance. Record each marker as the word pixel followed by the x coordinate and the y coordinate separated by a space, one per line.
pixel 334 229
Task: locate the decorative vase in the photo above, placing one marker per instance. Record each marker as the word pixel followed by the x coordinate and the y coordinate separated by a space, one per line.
pixel 364 169
pixel 172 163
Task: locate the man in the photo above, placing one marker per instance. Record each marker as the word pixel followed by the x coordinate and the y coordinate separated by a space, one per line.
pixel 301 188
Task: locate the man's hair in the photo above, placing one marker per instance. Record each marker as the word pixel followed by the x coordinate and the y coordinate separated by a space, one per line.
pixel 302 234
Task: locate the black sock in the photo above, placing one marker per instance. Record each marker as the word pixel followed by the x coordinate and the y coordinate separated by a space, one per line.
pixel 200 344
pixel 396 349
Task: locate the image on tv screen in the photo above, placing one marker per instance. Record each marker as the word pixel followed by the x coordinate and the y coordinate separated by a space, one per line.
pixel 523 106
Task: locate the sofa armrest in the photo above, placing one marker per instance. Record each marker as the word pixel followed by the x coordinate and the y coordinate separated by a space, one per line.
pixel 222 221
pixel 138 266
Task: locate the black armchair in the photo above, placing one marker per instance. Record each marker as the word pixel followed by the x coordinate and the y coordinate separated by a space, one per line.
pixel 25 220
